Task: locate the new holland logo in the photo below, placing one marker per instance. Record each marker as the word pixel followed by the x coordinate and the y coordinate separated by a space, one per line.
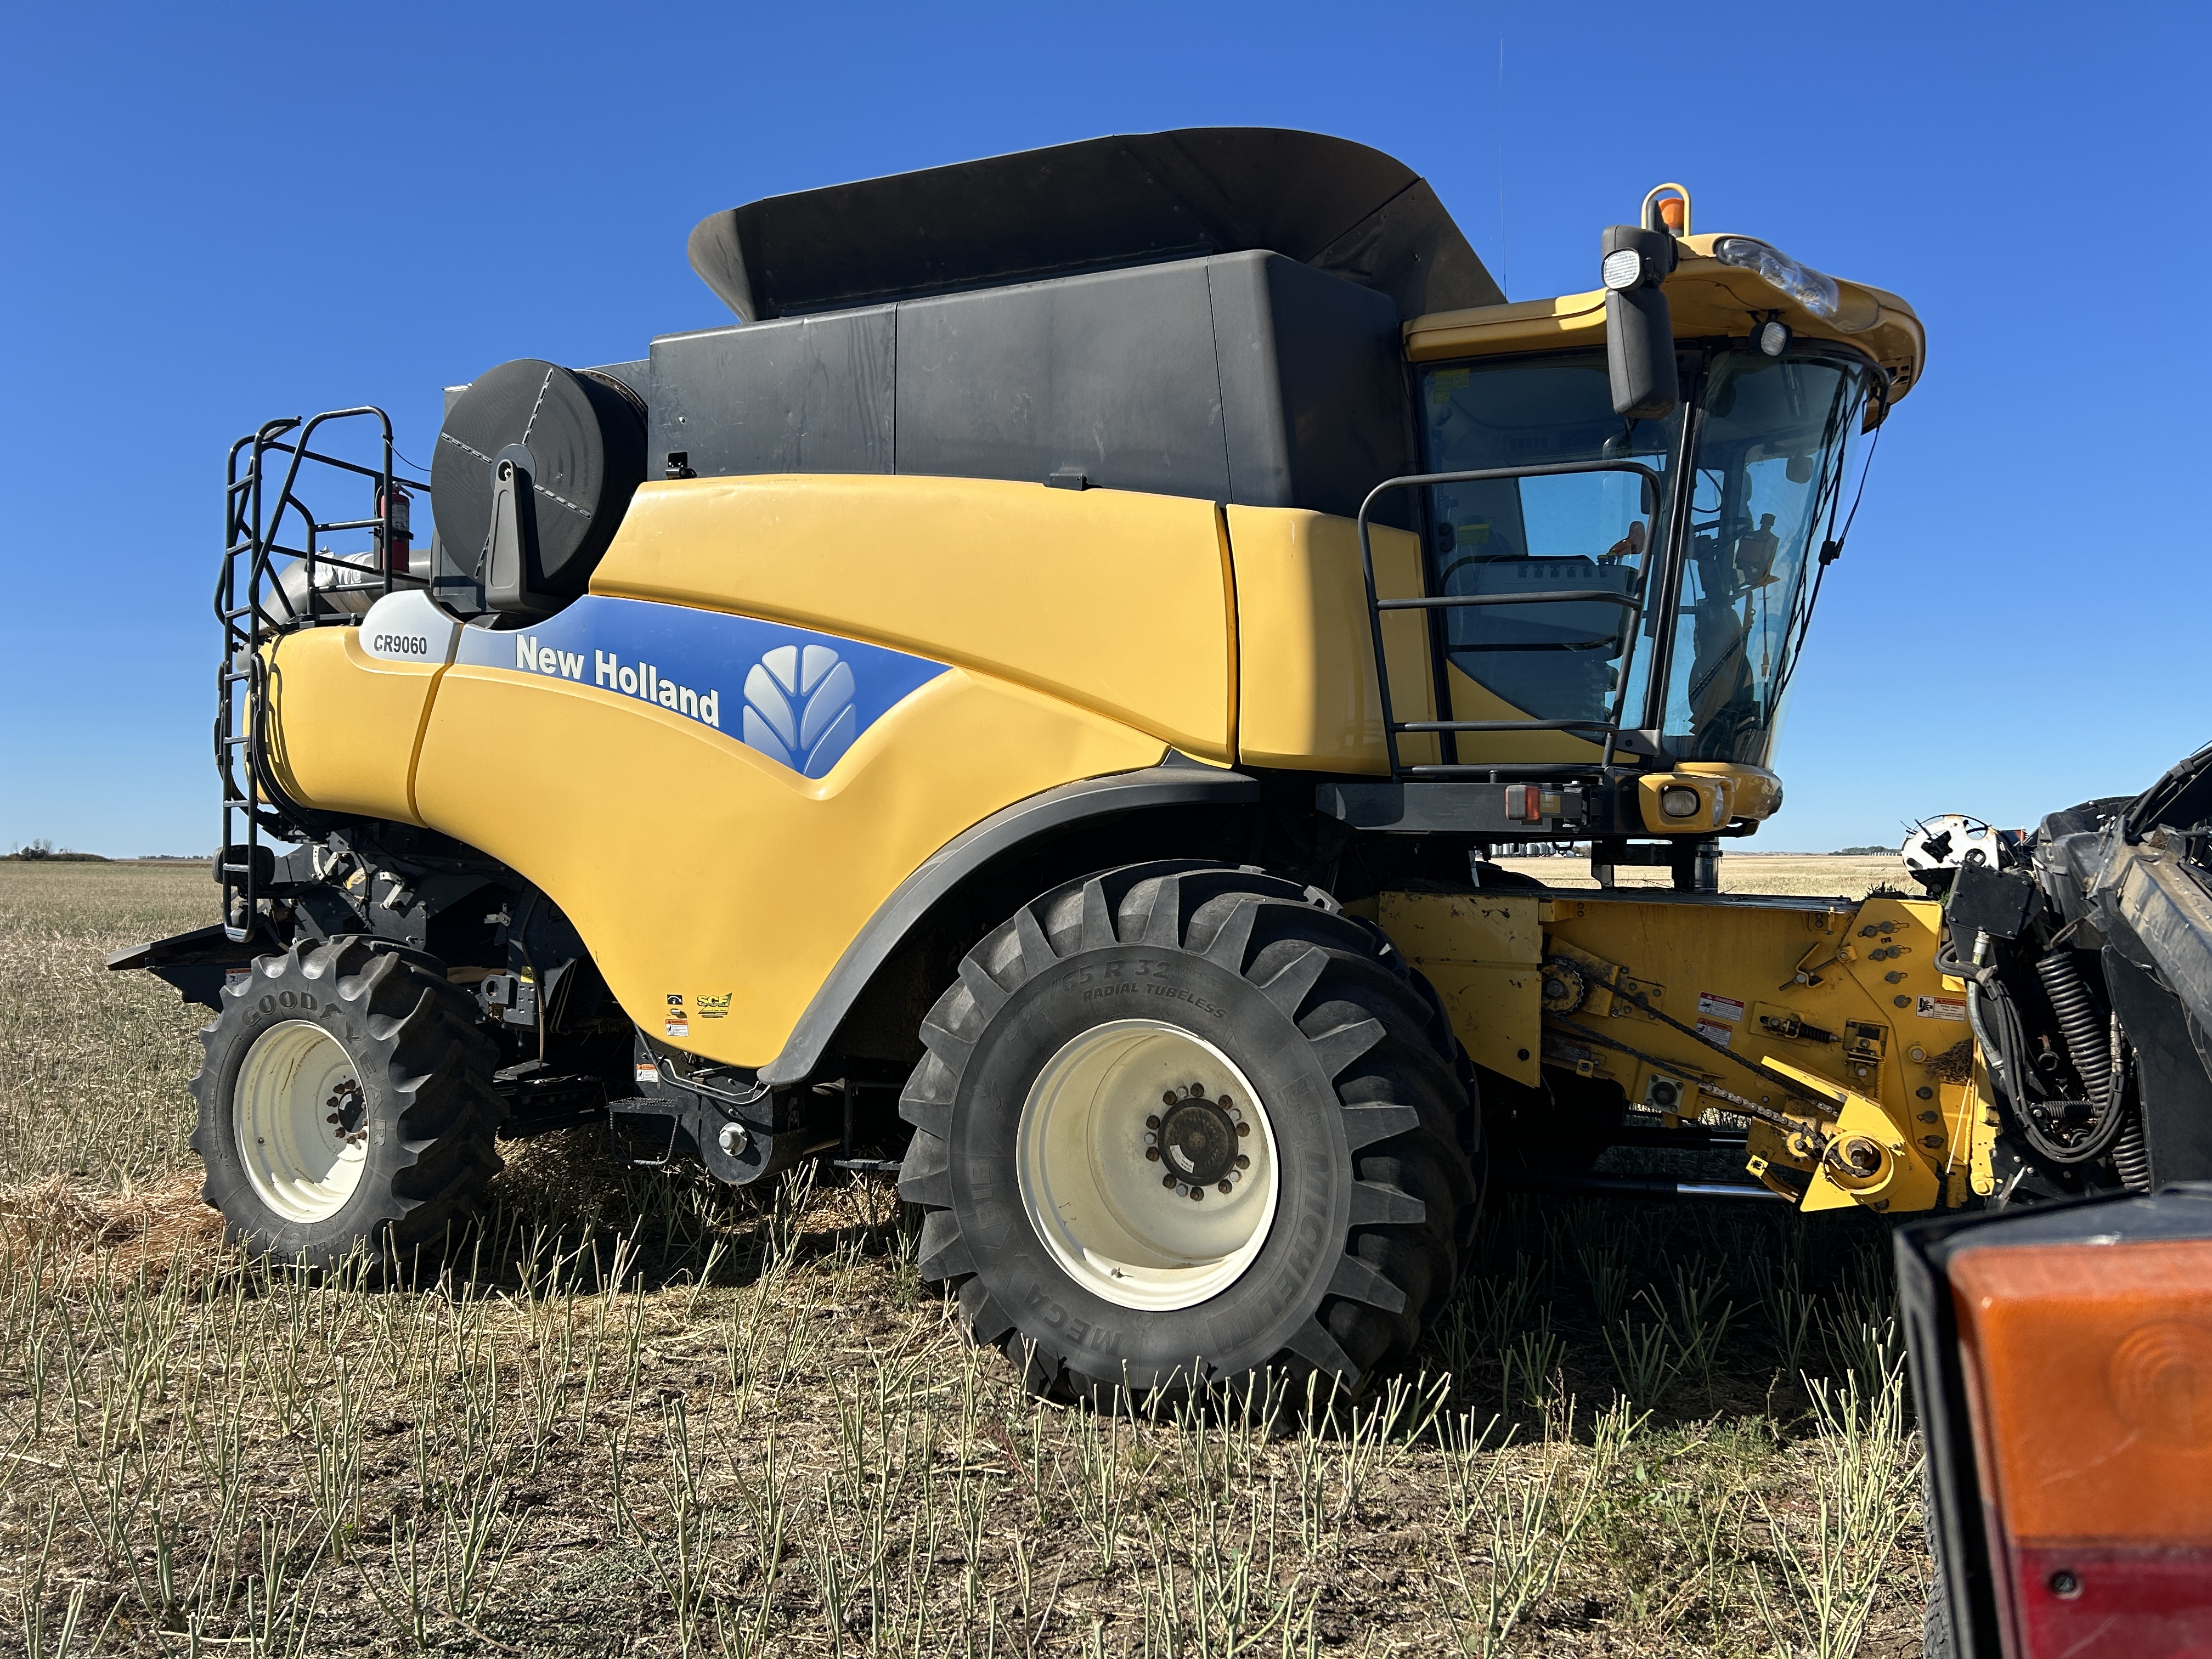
pixel 798 707
pixel 799 699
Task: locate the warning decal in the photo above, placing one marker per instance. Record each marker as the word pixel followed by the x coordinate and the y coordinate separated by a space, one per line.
pixel 1942 1008
pixel 1718 1007
pixel 1713 1031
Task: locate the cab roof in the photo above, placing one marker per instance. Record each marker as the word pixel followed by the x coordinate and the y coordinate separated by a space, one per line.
pixel 1708 297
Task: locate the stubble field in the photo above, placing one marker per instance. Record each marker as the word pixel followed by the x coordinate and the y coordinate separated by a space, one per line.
pixel 639 1413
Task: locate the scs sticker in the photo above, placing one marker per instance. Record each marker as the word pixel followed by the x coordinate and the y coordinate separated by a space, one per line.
pixel 1942 1008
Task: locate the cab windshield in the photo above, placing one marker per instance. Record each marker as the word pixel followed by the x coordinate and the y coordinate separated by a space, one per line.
pixel 1769 436
pixel 1772 436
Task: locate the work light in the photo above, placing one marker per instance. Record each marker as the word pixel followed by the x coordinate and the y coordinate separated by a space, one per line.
pixel 1815 290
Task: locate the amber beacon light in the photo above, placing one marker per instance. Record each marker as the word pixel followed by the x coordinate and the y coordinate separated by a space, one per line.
pixel 2063 1362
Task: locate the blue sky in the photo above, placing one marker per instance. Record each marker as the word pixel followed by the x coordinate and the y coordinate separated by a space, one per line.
pixel 211 216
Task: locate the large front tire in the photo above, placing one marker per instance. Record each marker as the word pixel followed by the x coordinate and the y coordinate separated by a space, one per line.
pixel 1180 1124
pixel 345 1102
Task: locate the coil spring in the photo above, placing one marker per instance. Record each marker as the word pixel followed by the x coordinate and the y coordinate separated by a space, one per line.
pixel 2131 1156
pixel 2079 1023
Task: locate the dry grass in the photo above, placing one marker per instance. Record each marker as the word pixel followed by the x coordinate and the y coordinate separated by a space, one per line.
pixel 641 1414
pixel 92 1063
pixel 1744 872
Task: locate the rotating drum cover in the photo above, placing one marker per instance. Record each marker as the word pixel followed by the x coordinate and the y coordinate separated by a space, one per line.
pixel 584 438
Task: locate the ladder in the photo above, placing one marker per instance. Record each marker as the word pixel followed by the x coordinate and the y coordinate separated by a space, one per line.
pixel 267 519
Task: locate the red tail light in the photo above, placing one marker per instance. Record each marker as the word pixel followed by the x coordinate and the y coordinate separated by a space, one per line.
pixel 2088 1368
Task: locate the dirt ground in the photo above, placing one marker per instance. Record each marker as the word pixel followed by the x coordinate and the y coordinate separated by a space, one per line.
pixel 640 1413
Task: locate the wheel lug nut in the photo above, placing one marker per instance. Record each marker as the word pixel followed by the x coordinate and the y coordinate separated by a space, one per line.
pixel 1153 1122
pixel 1224 1103
pixel 1243 1162
pixel 1243 1128
pixel 1196 1090
pixel 1223 1186
pixel 1197 1193
pixel 1151 1154
pixel 1168 1098
pixel 1167 1180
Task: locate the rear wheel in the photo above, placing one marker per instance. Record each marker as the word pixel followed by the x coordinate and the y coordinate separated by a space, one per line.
pixel 1178 1124
pixel 345 1099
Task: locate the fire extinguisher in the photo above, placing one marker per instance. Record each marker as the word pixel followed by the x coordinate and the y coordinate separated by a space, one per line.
pixel 397 534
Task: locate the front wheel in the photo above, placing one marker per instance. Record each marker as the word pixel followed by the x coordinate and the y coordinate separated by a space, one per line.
pixel 345 1102
pixel 1179 1124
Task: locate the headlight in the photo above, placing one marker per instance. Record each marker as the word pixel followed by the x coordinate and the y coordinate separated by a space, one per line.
pixel 1678 802
pixel 1815 290
pixel 1772 337
pixel 1623 268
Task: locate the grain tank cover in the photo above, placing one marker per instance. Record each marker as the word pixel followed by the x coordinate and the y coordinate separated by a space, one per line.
pixel 1098 204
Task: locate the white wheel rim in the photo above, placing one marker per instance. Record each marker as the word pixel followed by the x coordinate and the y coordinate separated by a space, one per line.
pixel 296 1114
pixel 1125 1225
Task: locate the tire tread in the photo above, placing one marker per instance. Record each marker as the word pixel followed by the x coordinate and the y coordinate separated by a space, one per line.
pixel 1378 1032
pixel 422 1031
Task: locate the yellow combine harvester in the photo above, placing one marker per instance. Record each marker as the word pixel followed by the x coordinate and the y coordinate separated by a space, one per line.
pixel 1065 659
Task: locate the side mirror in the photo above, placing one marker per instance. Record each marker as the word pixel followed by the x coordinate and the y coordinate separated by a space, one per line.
pixel 1639 329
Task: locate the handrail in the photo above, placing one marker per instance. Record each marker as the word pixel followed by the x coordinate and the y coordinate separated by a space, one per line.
pixel 1655 489
pixel 1565 596
pixel 252 536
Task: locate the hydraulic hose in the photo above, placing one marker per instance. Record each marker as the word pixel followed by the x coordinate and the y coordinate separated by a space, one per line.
pixel 1995 1025
pixel 1994 1053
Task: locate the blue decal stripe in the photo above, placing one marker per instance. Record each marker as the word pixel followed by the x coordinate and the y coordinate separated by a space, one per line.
pixel 800 697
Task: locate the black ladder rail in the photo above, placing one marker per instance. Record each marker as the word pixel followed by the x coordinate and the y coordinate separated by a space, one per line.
pixel 242 519
pixel 253 529
pixel 1655 493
